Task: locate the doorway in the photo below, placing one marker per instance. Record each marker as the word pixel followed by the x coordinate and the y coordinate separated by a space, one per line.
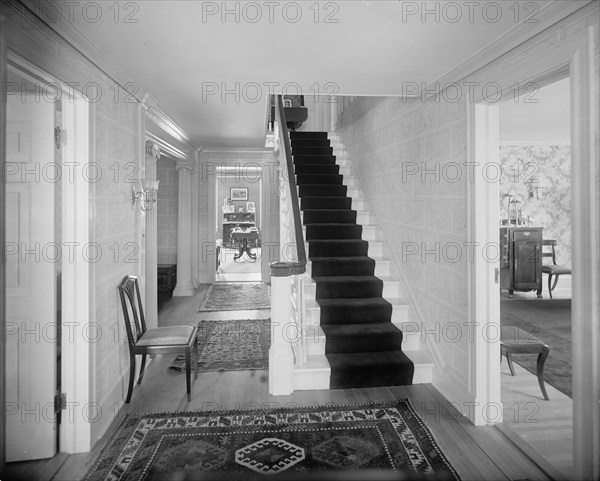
pixel 47 274
pixel 33 265
pixel 535 201
pixel 239 218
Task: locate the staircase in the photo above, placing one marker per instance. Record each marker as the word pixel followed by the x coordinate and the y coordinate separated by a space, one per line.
pixel 353 307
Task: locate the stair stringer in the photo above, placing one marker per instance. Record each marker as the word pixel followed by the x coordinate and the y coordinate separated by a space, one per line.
pixel 425 355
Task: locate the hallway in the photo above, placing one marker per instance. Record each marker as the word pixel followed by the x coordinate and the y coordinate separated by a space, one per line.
pixel 475 452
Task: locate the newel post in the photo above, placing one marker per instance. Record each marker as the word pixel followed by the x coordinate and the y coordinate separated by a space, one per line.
pixel 281 357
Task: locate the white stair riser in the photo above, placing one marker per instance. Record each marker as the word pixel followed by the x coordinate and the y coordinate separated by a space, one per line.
pixel 316 345
pixel 313 315
pixel 375 249
pixel 359 204
pixel 391 289
pixel 423 373
pixel 362 217
pixel 382 268
pixel 311 380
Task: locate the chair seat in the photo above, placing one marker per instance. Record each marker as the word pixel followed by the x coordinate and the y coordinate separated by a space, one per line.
pixel 555 270
pixel 175 335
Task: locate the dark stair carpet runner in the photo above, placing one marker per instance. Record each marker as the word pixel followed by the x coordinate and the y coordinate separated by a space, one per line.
pixel 363 347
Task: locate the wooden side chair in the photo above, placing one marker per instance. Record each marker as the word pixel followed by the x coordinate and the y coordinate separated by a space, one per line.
pixel 160 340
pixel 553 270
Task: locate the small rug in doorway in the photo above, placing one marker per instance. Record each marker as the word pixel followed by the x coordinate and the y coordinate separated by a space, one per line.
pixel 236 296
pixel 550 321
pixel 234 345
pixel 296 442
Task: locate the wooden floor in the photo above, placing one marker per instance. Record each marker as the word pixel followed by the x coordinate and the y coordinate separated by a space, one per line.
pixel 477 453
pixel 244 270
pixel 546 426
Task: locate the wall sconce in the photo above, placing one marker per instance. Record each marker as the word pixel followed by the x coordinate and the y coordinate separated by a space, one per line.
pixel 147 195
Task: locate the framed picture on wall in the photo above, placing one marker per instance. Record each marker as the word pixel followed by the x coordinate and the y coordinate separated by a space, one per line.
pixel 238 193
pixel 250 207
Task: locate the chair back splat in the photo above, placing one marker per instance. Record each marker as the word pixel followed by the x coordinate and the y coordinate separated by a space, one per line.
pixel 553 270
pixel 131 301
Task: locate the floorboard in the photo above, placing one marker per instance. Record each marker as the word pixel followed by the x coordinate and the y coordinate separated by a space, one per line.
pixel 476 452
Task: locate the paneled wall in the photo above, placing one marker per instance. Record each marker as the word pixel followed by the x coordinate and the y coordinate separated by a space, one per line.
pixel 167 210
pixel 116 228
pixel 405 152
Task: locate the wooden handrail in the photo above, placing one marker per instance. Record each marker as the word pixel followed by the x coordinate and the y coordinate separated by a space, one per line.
pixel 284 269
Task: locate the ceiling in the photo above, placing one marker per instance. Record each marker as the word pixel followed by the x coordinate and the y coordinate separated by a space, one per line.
pixel 539 116
pixel 211 71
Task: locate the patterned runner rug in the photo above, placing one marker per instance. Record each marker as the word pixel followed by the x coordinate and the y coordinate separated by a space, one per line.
pixel 251 444
pixel 236 296
pixel 239 345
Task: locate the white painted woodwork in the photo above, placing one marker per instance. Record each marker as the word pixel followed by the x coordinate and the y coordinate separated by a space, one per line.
pixel 75 436
pixel 483 290
pixel 31 329
pixel 184 285
pixel 151 243
pixel 281 358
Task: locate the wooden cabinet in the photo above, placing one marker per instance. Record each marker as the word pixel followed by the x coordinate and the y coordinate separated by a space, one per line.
pixel 521 259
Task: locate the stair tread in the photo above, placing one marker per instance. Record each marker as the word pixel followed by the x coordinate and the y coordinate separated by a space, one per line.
pixel 354 301
pixel 376 358
pixel 339 330
pixel 396 302
pixel 384 279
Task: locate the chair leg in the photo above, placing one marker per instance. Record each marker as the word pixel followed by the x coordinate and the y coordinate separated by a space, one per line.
pixel 554 284
pixel 188 372
pixel 510 364
pixel 540 370
pixel 196 359
pixel 549 285
pixel 131 377
pixel 142 368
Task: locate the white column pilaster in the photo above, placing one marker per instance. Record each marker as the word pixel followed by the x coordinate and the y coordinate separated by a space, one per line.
pixel 151 241
pixel 195 184
pixel 184 286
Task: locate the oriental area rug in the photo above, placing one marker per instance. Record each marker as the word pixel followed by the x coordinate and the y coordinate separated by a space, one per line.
pixel 236 296
pixel 233 345
pixel 300 443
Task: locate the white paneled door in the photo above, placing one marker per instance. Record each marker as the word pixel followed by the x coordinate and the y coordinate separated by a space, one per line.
pixel 31 256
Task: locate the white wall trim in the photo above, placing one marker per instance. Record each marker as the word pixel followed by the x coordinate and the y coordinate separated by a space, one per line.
pixel 75 436
pixel 548 15
pixel 570 45
pixel 483 293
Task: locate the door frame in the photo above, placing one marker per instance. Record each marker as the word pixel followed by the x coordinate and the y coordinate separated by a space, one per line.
pixel 3 70
pixel 547 62
pixel 75 430
pixel 213 206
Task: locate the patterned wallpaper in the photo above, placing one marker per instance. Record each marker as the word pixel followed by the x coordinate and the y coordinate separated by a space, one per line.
pixel 550 165
pixel 401 149
pixel 168 195
pixel 116 230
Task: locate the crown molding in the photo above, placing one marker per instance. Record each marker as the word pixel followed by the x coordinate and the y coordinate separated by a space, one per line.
pixel 549 14
pixel 70 34
pixel 166 147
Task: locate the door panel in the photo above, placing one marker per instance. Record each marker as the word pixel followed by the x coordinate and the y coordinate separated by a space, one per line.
pixel 30 294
